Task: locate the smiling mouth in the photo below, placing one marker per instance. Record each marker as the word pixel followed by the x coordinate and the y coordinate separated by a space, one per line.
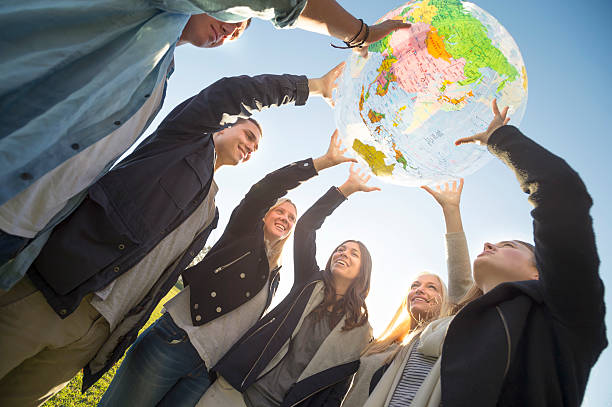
pixel 419 299
pixel 280 227
pixel 341 263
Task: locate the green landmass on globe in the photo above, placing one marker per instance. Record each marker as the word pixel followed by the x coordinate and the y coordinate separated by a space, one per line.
pixel 424 87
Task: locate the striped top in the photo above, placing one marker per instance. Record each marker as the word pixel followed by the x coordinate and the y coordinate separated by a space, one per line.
pixel 416 370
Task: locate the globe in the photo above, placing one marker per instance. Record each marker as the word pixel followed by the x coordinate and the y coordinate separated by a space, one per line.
pixel 421 88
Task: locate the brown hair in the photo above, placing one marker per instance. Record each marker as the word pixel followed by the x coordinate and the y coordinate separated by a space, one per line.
pixel 255 122
pixel 353 303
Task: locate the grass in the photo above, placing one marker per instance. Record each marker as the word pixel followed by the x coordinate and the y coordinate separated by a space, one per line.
pixel 71 395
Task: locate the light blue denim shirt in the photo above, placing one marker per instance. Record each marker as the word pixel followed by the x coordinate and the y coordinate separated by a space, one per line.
pixel 73 71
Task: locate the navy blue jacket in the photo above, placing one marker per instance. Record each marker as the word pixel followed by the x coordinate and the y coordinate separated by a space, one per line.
pixel 236 267
pixel 133 207
pixel 244 362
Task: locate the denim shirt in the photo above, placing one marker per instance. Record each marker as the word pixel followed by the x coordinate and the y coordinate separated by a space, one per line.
pixel 72 73
pixel 66 84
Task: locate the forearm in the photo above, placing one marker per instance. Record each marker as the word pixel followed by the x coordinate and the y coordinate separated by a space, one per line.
pixel 452 218
pixel 458 266
pixel 228 99
pixel 566 253
pixel 327 17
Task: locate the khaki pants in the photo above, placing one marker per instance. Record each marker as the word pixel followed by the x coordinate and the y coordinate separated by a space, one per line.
pixel 40 352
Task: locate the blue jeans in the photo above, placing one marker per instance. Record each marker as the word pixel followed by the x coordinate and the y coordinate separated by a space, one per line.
pixel 161 368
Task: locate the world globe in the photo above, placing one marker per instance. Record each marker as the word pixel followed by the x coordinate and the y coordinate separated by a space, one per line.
pixel 421 88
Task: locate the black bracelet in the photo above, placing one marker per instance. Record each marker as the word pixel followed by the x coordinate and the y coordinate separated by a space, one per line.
pixel 348 43
pixel 367 34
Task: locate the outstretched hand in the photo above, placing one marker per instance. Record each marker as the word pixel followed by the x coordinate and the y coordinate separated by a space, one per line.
pixel 447 195
pixel 499 119
pixel 378 32
pixel 325 85
pixel 334 155
pixel 356 181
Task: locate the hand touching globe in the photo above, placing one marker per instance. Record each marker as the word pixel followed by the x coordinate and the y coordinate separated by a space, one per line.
pixel 421 88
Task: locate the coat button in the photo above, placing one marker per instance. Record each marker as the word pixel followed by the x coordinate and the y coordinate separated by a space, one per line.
pixel 263 276
pixel 147 95
pixel 26 176
pixel 242 275
pixel 195 202
pixel 247 294
pixel 198 317
pixel 213 294
pixel 116 269
pixel 75 146
pixel 192 253
pixel 117 123
pixel 63 311
pixel 196 306
pixel 218 309
pixel 121 246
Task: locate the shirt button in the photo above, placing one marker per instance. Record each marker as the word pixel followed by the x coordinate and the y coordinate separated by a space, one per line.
pixel 242 275
pixel 198 317
pixel 196 306
pixel 25 176
pixel 248 294
pixel 63 311
pixel 218 309
pixel 117 123
pixel 213 294
pixel 121 246
pixel 116 269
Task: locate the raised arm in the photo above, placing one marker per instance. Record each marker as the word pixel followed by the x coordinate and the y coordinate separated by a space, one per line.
pixel 457 254
pixel 304 242
pixel 565 250
pixel 325 17
pixel 266 192
pixel 228 99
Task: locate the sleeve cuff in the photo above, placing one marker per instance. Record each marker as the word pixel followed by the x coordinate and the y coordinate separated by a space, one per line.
pixel 302 91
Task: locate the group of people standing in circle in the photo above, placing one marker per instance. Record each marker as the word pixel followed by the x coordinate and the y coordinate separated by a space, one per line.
pixel 96 262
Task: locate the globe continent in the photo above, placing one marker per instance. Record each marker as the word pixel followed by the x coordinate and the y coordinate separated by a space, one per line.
pixel 421 88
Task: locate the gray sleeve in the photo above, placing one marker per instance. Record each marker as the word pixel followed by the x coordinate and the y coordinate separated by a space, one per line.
pixel 458 266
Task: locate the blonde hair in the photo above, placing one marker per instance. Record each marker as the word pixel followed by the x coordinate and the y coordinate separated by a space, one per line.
pixel 400 329
pixel 274 251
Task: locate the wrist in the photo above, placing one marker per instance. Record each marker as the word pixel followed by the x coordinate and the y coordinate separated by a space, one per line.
pixel 347 189
pixel 322 163
pixel 314 86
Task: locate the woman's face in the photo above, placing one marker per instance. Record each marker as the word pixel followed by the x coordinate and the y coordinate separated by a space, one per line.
pixel 279 221
pixel 425 297
pixel 346 261
pixel 504 261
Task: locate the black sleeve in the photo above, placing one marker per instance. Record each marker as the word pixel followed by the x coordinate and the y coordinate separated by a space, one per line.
pixel 304 241
pixel 565 249
pixel 228 99
pixel 337 393
pixel 253 207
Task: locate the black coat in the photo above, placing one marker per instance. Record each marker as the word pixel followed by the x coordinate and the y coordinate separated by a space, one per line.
pixel 134 206
pixel 236 267
pixel 533 343
pixel 137 204
pixel 244 362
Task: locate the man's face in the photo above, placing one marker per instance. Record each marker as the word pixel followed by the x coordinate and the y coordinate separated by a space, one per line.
pixel 235 144
pixel 205 31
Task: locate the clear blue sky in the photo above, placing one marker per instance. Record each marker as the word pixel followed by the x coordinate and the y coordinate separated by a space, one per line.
pixel 566 49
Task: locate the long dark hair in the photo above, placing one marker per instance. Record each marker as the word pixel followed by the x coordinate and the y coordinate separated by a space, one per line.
pixel 353 303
